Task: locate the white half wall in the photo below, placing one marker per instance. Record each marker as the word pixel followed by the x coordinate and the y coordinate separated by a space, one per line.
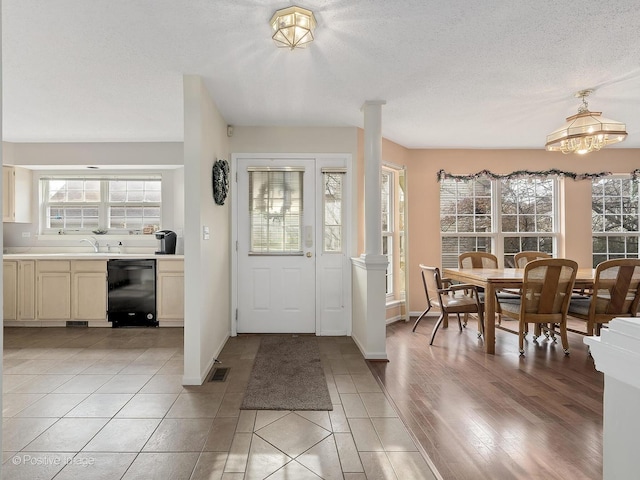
pixel 207 261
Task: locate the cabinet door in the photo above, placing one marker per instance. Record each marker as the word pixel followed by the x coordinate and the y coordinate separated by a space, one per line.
pixel 170 291
pixel 89 296
pixel 54 296
pixel 7 194
pixel 10 289
pixel 26 290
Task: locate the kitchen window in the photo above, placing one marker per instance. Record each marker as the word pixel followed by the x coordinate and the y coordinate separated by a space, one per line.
pixel 117 205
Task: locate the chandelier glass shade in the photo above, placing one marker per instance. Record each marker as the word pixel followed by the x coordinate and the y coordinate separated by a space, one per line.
pixel 293 27
pixel 585 131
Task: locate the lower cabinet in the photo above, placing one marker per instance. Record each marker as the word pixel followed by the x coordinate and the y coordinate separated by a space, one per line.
pixel 170 292
pixel 89 291
pixel 54 289
pixel 52 292
pixel 19 290
pixel 27 290
pixel 10 290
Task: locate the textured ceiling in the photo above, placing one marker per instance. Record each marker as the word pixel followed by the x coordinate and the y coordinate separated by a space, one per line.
pixel 463 74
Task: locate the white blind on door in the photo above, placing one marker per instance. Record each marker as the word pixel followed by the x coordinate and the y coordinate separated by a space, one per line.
pixel 275 211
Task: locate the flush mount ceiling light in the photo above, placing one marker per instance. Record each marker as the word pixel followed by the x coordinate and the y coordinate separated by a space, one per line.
pixel 585 131
pixel 293 27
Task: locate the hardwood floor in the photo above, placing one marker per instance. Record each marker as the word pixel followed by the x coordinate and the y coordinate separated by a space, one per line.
pixel 500 416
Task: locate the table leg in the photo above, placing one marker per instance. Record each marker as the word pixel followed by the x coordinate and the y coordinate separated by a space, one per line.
pixel 490 318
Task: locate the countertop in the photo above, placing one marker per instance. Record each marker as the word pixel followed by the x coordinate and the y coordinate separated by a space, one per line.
pixel 87 256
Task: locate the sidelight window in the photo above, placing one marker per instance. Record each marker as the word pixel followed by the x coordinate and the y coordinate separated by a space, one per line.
pixel 333 210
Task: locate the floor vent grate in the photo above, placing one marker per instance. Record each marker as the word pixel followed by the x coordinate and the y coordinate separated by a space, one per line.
pixel 77 324
pixel 219 374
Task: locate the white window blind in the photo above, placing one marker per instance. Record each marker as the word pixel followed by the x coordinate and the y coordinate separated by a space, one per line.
pixel 275 211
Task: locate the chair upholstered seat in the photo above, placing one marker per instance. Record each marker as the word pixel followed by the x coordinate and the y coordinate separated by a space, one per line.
pixel 511 306
pixel 579 306
pixel 464 304
pixel 508 297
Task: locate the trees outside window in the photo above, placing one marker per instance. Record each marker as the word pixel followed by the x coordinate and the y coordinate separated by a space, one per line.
pixel 498 216
pixel 614 214
pixel 118 205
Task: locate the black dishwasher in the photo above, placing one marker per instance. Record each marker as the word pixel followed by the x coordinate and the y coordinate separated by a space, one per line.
pixel 132 293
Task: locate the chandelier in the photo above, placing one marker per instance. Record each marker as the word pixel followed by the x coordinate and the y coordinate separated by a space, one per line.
pixel 293 27
pixel 585 131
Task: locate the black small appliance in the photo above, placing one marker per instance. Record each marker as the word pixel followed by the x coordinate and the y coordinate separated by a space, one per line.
pixel 167 244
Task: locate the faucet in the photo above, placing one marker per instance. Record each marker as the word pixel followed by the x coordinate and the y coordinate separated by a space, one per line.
pixel 94 244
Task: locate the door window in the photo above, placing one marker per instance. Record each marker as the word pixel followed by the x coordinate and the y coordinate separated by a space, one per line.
pixel 275 211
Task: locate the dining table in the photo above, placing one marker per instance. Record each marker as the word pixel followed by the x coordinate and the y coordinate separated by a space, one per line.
pixel 496 279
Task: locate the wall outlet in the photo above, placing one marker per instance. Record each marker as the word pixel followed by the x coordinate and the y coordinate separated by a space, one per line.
pixel 205 233
pixel 26 234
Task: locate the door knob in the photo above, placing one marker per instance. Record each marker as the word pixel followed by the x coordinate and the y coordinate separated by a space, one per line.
pixel 309 255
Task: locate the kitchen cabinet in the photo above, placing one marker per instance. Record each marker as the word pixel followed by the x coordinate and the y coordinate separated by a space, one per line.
pixel 19 290
pixel 170 292
pixel 16 194
pixel 54 289
pixel 89 291
pixel 10 290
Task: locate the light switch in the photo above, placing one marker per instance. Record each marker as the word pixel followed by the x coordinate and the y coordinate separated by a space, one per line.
pixel 205 233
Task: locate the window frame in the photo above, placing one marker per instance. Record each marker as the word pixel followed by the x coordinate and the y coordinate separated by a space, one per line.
pixel 103 205
pixel 608 254
pixel 495 238
pixel 389 232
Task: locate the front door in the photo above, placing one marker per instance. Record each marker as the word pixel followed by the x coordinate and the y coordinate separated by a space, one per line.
pixel 292 264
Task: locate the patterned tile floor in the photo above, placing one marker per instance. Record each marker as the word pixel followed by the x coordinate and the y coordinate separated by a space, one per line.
pixel 83 403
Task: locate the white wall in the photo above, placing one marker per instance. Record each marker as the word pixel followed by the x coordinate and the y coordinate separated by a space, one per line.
pixel 81 154
pixel 207 262
pixel 295 140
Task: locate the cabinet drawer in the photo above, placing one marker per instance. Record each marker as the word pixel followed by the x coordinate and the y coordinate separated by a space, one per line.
pixel 170 266
pixel 89 266
pixel 53 266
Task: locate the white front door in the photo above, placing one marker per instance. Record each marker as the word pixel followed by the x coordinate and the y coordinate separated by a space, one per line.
pixel 292 266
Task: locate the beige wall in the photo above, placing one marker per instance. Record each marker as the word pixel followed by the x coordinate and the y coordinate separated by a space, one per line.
pixel 207 323
pixel 575 222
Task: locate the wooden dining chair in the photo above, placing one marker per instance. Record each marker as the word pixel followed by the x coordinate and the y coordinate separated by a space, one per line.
pixel 485 260
pixel 522 258
pixel 477 260
pixel 457 299
pixel 615 293
pixel 546 291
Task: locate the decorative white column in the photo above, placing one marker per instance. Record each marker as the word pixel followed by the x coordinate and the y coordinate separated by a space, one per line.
pixel 369 271
pixel 617 354
pixel 372 164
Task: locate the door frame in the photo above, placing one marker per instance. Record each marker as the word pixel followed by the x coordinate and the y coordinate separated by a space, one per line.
pixel 348 226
